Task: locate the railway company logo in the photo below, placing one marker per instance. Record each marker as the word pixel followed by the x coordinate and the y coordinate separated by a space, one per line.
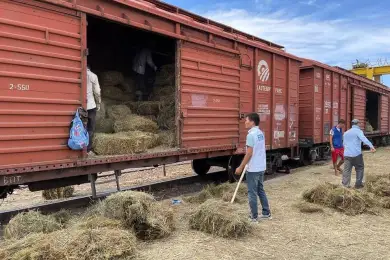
pixel 263 71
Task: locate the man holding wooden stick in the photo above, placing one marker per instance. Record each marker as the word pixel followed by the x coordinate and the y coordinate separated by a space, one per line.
pixel 255 159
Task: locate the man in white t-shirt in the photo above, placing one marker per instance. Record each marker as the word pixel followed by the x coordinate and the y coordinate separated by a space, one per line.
pixel 93 105
pixel 255 158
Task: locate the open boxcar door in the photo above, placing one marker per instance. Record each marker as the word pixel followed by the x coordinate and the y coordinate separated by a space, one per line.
pixel 209 92
pixel 42 69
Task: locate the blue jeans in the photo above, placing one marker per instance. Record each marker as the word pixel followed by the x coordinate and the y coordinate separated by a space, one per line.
pixel 255 188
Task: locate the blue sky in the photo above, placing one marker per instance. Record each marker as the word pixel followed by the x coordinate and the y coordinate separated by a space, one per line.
pixel 331 31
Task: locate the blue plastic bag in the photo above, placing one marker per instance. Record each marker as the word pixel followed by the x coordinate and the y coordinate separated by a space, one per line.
pixel 78 136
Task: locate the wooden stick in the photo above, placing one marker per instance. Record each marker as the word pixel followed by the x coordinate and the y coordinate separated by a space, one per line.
pixel 238 184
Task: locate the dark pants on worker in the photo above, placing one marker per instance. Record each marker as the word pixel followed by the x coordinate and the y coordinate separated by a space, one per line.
pixel 91 126
pixel 349 163
pixel 140 86
pixel 255 182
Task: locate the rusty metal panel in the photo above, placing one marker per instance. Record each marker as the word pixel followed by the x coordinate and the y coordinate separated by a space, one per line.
pixel 318 104
pixel 306 103
pixel 41 67
pixel 359 105
pixel 343 99
pixel 384 116
pixel 210 96
pixel 293 97
pixel 335 99
pixel 327 107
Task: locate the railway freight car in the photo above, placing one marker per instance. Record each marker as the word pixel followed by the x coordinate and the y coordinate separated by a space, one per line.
pixel 327 94
pixel 220 75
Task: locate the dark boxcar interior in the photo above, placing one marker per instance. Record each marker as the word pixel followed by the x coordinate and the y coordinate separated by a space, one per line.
pixel 372 111
pixel 112 48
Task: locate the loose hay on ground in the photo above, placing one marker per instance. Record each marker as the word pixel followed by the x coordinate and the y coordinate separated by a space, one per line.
pixel 220 218
pixel 306 207
pixel 124 143
pixel 379 185
pixel 63 216
pixel 26 223
pixel 349 201
pixel 135 123
pixel 58 193
pixel 223 191
pixel 96 222
pixel 80 244
pixel 117 112
pixel 140 212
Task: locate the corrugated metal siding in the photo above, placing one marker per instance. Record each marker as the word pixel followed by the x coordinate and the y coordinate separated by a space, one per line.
pixel 318 104
pixel 210 96
pixel 306 108
pixel 293 96
pixel 343 98
pixel 327 101
pixel 335 99
pixel 359 105
pixel 384 114
pixel 40 81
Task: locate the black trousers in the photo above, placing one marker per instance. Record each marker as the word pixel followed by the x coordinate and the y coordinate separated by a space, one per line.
pixel 91 126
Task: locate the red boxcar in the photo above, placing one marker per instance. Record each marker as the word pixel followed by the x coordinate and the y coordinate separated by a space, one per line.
pixel 221 74
pixel 327 94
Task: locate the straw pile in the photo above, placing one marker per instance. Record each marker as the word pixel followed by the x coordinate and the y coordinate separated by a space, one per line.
pixel 135 123
pixel 118 112
pixel 58 193
pixel 220 218
pixel 306 207
pixel 166 117
pixel 223 191
pixel 140 212
pixel 115 93
pixel 166 75
pixel 349 201
pixel 124 143
pixel 111 78
pixel 167 138
pixel 80 244
pixel 26 223
pixel 379 185
pixel 63 216
pixel 105 125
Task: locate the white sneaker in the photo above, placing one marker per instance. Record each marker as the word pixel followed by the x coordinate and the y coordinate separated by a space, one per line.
pixel 269 217
pixel 91 154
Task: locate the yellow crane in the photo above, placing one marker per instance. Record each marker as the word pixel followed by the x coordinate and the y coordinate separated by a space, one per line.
pixel 371 72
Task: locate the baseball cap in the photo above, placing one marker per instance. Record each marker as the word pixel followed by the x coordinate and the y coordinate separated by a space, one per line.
pixel 355 121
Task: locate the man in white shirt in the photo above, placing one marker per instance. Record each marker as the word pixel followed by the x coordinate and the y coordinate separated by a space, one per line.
pixel 141 59
pixel 93 104
pixel 255 158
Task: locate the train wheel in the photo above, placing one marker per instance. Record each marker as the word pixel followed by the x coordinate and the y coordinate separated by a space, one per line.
pixel 234 162
pixel 200 166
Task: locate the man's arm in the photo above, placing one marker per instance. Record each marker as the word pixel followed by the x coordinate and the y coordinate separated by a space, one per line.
pixel 149 60
pixel 96 92
pixel 248 155
pixel 331 140
pixel 364 139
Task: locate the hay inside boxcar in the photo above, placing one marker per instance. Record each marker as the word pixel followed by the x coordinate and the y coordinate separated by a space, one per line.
pixel 135 123
pixel 167 138
pixel 220 218
pixel 118 112
pixel 145 108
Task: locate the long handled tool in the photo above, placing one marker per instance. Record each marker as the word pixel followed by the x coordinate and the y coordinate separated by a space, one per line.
pixel 239 183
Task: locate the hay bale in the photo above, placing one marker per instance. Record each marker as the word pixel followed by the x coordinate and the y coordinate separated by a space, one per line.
pixel 223 191
pixel 220 218
pixel 111 78
pixel 306 207
pixel 117 112
pixel 96 222
pixel 167 138
pixel 26 223
pixel 101 114
pixel 124 143
pixel 115 93
pixel 135 123
pixel 166 117
pixel 379 185
pixel 145 108
pixel 80 244
pixel 105 125
pixel 165 75
pixel 129 85
pixel 58 193
pixel 349 201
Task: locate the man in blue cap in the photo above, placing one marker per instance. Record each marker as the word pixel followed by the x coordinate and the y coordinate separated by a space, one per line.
pixel 353 156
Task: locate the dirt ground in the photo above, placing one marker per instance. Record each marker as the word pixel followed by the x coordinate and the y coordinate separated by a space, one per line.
pixel 24 197
pixel 290 234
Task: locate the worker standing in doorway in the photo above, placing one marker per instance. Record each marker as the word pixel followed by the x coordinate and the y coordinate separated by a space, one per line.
pixel 142 58
pixel 336 145
pixel 353 156
pixel 255 158
pixel 93 105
